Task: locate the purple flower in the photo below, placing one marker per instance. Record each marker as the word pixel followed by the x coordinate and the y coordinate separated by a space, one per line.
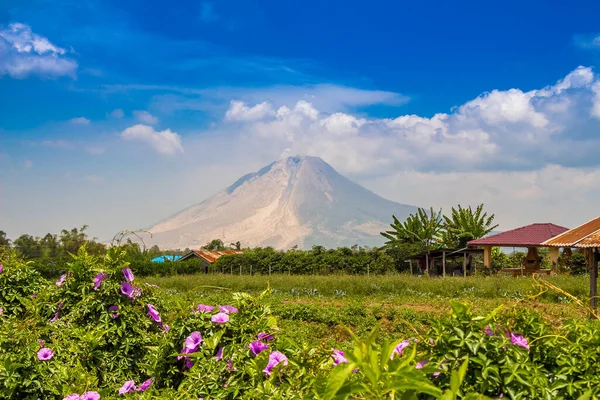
pixel 228 309
pixel 144 386
pixel 34 296
pixel 489 331
pixel 258 347
pixel 44 354
pixel 98 280
pixel 185 350
pixel 127 387
pixel 421 364
pixel 41 343
pixel 265 337
pixel 60 305
pixel 203 308
pixel 127 289
pixel 165 328
pixel 90 396
pixel 153 313
pixel 220 318
pixel 193 341
pixel 72 396
pixel 188 363
pixel 275 358
pixel 1 268
pixel 113 309
pixel 128 275
pixel 400 348
pixel 61 280
pixel 219 355
pixel 55 318
pixel 519 341
pixel 338 357
pixel 230 366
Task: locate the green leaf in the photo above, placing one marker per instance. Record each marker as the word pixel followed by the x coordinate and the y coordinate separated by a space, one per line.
pixel 339 375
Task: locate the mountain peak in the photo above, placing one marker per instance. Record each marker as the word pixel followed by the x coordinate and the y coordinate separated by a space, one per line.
pixel 297 200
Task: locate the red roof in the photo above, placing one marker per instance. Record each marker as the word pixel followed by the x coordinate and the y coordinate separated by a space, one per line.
pixel 212 256
pixel 525 236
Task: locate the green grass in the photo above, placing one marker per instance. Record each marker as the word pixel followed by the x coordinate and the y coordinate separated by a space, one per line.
pixel 315 308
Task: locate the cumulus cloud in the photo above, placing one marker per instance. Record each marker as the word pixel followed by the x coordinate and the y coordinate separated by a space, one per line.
pixel 80 121
pixel 239 111
pixel 498 130
pixel 165 142
pixel 117 113
pixel 145 117
pixel 24 53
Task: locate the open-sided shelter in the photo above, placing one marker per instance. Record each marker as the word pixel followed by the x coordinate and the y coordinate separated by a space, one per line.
pixel 531 237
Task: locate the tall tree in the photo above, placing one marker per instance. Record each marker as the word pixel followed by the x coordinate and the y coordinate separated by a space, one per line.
pixel 4 241
pixel 215 244
pixel 422 228
pixel 28 247
pixel 466 224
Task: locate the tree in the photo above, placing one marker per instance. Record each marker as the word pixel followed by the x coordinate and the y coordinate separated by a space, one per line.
pixel 422 228
pixel 4 241
pixel 28 247
pixel 215 244
pixel 464 225
pixel 72 240
pixel 237 245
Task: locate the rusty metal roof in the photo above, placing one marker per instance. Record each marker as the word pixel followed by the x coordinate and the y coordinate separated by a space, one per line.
pixel 525 236
pixel 210 255
pixel 585 235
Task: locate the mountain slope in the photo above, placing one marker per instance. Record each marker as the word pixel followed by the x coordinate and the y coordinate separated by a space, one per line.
pixel 295 201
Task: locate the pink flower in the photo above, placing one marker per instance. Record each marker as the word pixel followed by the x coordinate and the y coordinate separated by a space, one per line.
pixel 338 357
pixel 265 337
pixel 275 358
pixel 219 355
pixel 61 280
pixel 41 343
pixel 144 386
pixel 98 280
pixel 193 341
pixel 128 275
pixel 1 268
pixel 258 347
pixel 489 331
pixel 55 318
pixel 153 313
pixel 519 341
pixel 228 309
pixel 400 348
pixel 230 366
pixel 165 328
pixel 127 387
pixel 113 309
pixel 44 354
pixel 220 318
pixel 421 364
pixel 72 396
pixel 90 396
pixel 203 308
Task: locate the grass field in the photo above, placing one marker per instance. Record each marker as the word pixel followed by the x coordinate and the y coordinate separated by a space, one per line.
pixel 315 308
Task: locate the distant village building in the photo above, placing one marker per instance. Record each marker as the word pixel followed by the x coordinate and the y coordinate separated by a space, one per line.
pixel 208 257
pixel 166 257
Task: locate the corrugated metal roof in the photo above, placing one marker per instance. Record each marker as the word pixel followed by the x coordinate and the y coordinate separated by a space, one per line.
pixel 525 236
pixel 591 241
pixel 574 236
pixel 212 256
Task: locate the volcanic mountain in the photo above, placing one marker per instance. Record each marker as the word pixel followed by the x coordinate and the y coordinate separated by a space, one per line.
pixel 299 201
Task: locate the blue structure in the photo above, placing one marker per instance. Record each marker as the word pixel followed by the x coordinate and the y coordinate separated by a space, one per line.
pixel 166 258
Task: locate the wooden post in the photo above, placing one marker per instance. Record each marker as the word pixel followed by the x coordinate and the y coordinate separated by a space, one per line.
pixel 427 263
pixel 595 258
pixel 411 269
pixel 465 264
pixel 487 257
pixel 554 258
pixel 443 264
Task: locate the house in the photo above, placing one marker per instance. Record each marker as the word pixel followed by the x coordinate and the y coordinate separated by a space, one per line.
pixel 208 257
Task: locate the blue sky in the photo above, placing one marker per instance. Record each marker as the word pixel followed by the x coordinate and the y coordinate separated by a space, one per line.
pixel 119 113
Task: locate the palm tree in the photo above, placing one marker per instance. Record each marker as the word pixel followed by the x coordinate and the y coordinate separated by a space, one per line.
pixel 465 225
pixel 422 228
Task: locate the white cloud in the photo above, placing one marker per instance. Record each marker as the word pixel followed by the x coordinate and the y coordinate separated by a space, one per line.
pixel 117 113
pixel 24 53
pixel 239 111
pixel 145 117
pixel 501 130
pixel 80 121
pixel 165 142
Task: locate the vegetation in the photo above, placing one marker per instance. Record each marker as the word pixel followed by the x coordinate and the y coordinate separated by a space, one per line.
pixel 100 331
